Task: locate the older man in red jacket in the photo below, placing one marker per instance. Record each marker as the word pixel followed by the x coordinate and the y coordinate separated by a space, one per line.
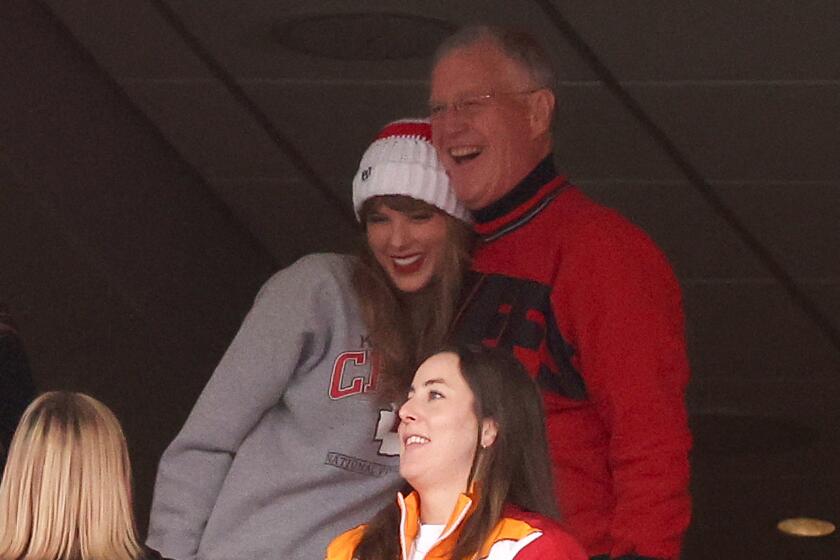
pixel 581 296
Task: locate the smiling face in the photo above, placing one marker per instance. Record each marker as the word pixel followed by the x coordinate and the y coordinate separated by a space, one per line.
pixel 439 430
pixel 409 245
pixel 498 129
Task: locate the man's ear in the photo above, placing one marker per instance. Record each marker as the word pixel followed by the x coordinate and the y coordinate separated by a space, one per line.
pixel 489 431
pixel 542 112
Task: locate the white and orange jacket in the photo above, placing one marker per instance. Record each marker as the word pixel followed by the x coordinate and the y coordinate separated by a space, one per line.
pixel 519 535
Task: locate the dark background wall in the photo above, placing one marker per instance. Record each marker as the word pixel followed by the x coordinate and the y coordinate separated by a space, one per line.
pixel 160 158
pixel 126 275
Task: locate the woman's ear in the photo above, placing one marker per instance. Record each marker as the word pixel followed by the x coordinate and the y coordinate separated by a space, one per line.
pixel 489 431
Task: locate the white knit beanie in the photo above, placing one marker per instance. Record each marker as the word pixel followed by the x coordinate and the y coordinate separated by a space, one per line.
pixel 402 161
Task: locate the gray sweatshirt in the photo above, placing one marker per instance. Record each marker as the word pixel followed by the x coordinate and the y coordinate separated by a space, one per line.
pixel 285 448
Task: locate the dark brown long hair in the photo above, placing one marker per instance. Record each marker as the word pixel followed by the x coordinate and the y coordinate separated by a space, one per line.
pixel 405 327
pixel 516 469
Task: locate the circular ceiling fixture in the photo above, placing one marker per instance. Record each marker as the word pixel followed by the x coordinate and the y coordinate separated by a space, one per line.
pixel 806 527
pixel 362 36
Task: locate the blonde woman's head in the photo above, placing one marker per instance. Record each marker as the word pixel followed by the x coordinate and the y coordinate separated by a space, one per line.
pixel 66 490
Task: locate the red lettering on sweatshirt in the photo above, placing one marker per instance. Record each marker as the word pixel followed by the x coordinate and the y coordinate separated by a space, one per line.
pixel 345 382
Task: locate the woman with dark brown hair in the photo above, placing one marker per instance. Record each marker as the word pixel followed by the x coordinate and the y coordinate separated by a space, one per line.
pixel 292 441
pixel 474 452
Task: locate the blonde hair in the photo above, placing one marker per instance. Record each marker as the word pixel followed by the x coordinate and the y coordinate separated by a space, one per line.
pixel 66 491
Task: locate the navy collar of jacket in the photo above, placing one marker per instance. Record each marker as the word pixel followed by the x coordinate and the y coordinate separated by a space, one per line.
pixel 521 203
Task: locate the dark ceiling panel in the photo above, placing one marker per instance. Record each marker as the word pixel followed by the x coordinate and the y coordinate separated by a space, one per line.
pixel 334 125
pixel 597 139
pixel 663 40
pixel 752 131
pixel 751 330
pixel 239 33
pixel 130 39
pixel 291 218
pixel 801 402
pixel 211 130
pixel 797 222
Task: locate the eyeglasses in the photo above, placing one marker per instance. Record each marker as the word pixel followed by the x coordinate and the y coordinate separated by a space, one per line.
pixel 473 104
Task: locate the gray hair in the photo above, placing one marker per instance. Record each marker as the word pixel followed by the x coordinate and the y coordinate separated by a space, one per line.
pixel 520 46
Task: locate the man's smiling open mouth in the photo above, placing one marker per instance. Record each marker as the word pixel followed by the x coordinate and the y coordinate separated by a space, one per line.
pixel 463 154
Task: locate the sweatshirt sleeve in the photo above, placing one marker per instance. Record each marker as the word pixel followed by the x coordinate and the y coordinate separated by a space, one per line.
pixel 628 331
pixel 287 325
